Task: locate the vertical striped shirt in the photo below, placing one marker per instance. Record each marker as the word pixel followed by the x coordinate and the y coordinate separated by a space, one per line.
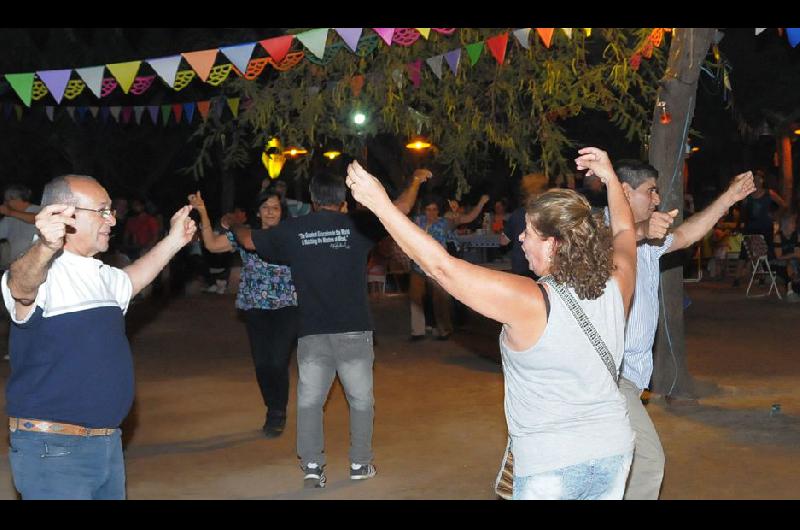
pixel 637 363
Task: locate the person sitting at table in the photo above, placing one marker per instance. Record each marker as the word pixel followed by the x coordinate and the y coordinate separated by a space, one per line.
pixel 440 228
pixel 499 217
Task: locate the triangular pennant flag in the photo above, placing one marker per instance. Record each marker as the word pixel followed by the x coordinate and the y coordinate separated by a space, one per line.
pixel 22 85
pixel 166 68
pixel 55 81
pixel 794 36
pixel 166 110
pixel 759 30
pixel 18 109
pixel 126 114
pixel 93 111
pixel 82 113
pixel 414 72
pixel 217 106
pixel 71 112
pixel 201 62
pixel 233 104
pixel 567 32
pixel 436 65
pixel 203 107
pixel 49 111
pixel 350 36
pixel 474 51
pixel 239 55
pixel 277 47
pixel 188 109
pixel 177 110
pixel 546 34
pixel 93 77
pixel 497 46
pixel 138 110
pixel 386 34
pixel 453 58
pixel 153 111
pixel 125 73
pixel 356 84
pixel 314 40
pixel 523 36
pixel 424 32
pixel 114 110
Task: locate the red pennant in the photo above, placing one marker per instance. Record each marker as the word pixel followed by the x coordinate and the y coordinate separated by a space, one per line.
pixel 546 35
pixel 278 47
pixel 126 114
pixel 647 50
pixel 203 107
pixel 356 84
pixel 497 45
pixel 414 72
pixel 636 60
pixel 177 110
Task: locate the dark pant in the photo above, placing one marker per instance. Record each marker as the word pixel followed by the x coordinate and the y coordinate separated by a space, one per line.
pixel 272 334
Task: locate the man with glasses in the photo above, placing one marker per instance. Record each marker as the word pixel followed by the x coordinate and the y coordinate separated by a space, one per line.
pixel 71 382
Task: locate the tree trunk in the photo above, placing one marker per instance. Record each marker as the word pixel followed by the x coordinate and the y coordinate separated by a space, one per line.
pixel 667 151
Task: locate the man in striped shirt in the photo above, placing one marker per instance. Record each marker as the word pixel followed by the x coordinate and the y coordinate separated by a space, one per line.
pixel 639 184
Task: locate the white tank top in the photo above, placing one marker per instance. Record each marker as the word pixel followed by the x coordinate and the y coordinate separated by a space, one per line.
pixel 561 404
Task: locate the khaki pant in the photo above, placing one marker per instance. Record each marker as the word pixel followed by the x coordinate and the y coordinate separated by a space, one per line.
pixel 647 469
pixel 418 284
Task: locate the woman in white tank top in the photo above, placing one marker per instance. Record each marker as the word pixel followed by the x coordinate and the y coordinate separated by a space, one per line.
pixel 566 418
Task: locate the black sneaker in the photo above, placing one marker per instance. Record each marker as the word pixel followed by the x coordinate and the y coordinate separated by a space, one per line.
pixel 274 426
pixel 362 471
pixel 314 476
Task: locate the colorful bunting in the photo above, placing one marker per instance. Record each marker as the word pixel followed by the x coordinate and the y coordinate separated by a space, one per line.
pixel 277 47
pixel 82 113
pixel 203 107
pixel 125 73
pixel 386 34
pixel 356 84
pixel 436 65
pixel 126 114
pixel 314 40
pixel 546 35
pixel 93 110
pixel 49 111
pixel 759 31
pixel 114 110
pixel 794 36
pixel 350 36
pixel 474 51
pixel 138 110
pixel 166 68
pixel 523 36
pixel 56 81
pixel 152 110
pixel 567 32
pixel 177 110
pixel 93 77
pixel 497 46
pixel 239 55
pixel 424 32
pixel 22 85
pixel 201 62
pixel 414 72
pixel 217 107
pixel 188 109
pixel 453 58
pixel 166 110
pixel 233 104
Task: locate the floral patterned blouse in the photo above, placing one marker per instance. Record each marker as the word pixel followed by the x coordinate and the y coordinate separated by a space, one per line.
pixel 262 285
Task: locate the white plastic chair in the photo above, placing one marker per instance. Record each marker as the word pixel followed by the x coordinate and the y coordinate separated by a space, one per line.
pixel 756 248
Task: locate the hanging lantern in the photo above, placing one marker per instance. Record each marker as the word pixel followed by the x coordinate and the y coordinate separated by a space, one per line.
pixel 665 117
pixel 273 157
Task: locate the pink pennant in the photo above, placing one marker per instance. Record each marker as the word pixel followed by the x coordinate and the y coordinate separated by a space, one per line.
pixel 386 34
pixel 414 72
pixel 126 114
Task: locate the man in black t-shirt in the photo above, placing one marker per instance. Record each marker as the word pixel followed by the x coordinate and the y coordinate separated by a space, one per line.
pixel 327 252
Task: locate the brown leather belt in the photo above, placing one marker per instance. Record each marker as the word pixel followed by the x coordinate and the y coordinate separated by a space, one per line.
pixel 25 424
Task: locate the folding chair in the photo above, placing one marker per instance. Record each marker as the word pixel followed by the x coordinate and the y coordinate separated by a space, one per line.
pixel 756 248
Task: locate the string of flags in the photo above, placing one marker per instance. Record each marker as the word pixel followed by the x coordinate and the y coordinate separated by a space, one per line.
pixel 792 34
pixel 70 83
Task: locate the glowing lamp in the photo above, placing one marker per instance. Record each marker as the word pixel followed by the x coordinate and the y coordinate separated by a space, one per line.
pixel 797 132
pixel 418 144
pixel 359 118
pixel 330 155
pixel 295 151
pixel 665 117
pixel 273 157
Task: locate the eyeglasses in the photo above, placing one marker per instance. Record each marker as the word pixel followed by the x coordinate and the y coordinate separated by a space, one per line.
pixel 105 213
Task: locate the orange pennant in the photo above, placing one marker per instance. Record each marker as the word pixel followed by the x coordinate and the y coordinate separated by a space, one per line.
pixel 202 61
pixel 497 45
pixel 277 47
pixel 356 83
pixel 546 35
pixel 203 107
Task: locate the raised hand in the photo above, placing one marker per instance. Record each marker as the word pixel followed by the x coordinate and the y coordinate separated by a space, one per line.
pixel 52 222
pixel 659 223
pixel 741 186
pixel 597 162
pixel 196 201
pixel 422 175
pixel 182 227
pixel 365 188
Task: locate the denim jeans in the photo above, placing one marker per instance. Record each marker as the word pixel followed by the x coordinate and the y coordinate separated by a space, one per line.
pixel 319 359
pixel 58 466
pixel 600 479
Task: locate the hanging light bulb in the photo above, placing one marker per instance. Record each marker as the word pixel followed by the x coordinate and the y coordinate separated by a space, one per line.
pixel 665 117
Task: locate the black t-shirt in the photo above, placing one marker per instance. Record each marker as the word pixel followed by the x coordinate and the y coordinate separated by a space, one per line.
pixel 327 252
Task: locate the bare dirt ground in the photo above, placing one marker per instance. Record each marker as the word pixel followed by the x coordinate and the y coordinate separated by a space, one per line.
pixel 194 432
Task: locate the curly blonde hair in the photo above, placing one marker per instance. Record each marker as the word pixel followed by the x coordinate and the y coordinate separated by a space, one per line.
pixel 583 256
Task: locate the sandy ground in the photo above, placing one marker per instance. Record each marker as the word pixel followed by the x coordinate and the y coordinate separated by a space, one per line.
pixel 194 432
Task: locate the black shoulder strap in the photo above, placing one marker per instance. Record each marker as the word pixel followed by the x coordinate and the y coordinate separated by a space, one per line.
pixel 546 299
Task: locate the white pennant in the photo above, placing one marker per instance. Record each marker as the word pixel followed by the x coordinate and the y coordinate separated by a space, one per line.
pixel 115 112
pixel 94 111
pixel 759 30
pixel 436 65
pixel 49 111
pixel 522 36
pixel 138 110
pixel 166 68
pixel 71 112
pixel 93 77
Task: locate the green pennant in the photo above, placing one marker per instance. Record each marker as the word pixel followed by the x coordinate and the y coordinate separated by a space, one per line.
pixel 166 110
pixel 233 104
pixel 22 85
pixel 474 51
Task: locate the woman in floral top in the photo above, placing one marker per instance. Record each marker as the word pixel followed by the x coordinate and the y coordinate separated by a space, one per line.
pixel 268 299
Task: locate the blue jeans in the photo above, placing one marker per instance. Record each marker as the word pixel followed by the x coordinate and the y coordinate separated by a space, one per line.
pixel 600 479
pixel 58 466
pixel 319 359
